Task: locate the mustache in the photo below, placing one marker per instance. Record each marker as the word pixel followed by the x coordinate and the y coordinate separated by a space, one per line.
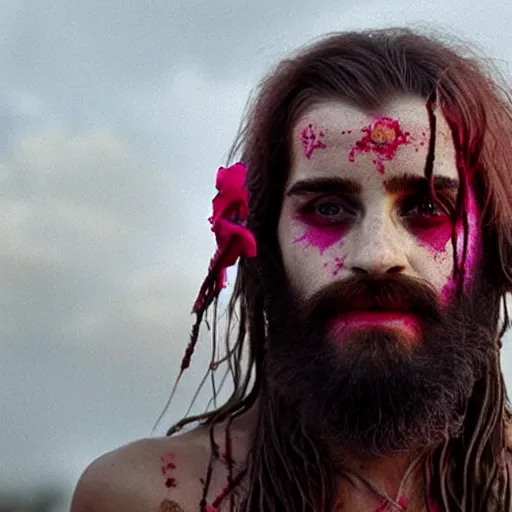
pixel 393 292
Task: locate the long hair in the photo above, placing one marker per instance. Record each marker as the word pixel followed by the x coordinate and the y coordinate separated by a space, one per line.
pixel 292 471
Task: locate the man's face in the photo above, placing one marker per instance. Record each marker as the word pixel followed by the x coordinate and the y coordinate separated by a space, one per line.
pixel 357 203
pixel 371 340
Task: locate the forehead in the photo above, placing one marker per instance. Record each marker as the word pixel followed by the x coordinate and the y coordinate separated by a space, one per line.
pixel 335 137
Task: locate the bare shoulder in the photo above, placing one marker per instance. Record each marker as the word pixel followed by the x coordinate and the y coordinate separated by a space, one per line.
pixel 157 474
pixel 160 474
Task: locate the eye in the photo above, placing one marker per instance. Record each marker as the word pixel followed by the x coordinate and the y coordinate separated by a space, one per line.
pixel 422 208
pixel 420 205
pixel 427 207
pixel 327 210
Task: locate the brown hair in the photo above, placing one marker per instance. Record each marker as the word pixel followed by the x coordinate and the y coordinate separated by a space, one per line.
pixel 366 69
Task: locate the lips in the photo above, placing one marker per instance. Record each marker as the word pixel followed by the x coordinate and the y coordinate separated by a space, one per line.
pixel 392 302
pixel 371 319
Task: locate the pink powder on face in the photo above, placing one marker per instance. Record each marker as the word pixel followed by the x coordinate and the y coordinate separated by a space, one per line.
pixel 310 141
pixel 321 238
pixel 382 137
pixel 435 238
pixel 338 266
pixel 448 290
pixel 472 250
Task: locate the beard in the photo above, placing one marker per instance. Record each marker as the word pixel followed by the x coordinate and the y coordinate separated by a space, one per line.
pixel 376 393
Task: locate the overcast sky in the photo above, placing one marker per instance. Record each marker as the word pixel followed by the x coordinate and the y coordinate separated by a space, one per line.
pixel 114 117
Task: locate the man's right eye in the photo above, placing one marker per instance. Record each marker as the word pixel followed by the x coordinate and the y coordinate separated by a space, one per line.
pixel 329 209
pixel 326 211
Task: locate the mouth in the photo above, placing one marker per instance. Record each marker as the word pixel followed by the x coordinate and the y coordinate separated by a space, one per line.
pixel 373 319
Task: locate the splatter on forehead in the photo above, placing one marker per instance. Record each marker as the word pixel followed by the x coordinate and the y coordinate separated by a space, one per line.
pixel 311 141
pixel 382 137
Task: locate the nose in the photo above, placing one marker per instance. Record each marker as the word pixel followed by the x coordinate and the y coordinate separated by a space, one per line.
pixel 377 248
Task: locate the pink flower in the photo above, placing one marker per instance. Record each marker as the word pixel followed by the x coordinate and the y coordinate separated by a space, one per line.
pixel 232 200
pixel 230 210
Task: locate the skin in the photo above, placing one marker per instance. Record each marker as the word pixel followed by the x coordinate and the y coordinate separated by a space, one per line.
pixel 133 478
pixel 327 235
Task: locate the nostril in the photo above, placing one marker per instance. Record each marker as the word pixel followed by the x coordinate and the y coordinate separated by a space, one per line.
pixel 397 269
pixel 359 270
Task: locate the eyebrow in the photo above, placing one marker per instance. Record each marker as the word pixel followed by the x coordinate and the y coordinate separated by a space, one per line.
pixel 410 183
pixel 331 185
pixel 396 185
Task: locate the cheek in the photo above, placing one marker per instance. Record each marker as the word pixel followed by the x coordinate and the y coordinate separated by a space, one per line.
pixel 434 238
pixel 335 265
pixel 314 255
pixel 319 237
pixel 438 243
pixel 436 251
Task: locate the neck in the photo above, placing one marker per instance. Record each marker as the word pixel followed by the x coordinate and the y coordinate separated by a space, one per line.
pixel 390 483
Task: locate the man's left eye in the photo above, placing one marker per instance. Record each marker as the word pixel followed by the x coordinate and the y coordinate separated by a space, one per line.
pixel 427 207
pixel 423 206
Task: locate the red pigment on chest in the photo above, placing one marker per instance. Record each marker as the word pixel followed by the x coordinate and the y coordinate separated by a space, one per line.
pixel 167 466
pixel 385 506
pixel 311 141
pixel 382 137
pixel 323 239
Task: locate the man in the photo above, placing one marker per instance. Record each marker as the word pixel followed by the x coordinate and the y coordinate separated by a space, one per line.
pixel 378 172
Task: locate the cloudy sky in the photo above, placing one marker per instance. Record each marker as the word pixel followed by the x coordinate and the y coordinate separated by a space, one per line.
pixel 114 117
